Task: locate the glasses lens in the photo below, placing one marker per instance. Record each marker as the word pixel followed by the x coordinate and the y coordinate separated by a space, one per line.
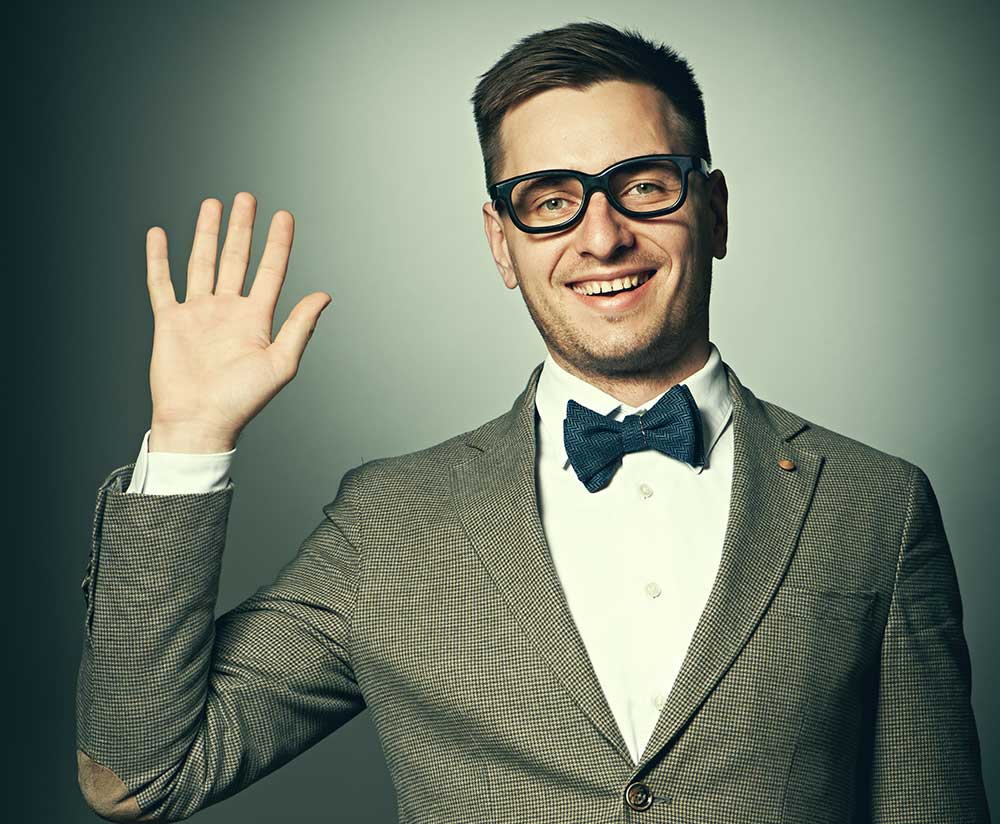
pixel 642 186
pixel 647 185
pixel 547 200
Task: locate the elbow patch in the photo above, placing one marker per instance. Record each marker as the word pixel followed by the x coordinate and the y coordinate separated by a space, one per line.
pixel 105 793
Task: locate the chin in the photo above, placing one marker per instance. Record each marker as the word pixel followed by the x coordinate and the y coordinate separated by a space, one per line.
pixel 615 361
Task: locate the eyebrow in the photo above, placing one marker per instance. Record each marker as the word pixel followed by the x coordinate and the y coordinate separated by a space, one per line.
pixel 563 173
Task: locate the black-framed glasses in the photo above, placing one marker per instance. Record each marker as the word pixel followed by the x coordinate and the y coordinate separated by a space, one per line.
pixel 555 199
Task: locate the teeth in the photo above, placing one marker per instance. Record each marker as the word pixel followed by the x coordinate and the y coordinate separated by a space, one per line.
pixel 594 287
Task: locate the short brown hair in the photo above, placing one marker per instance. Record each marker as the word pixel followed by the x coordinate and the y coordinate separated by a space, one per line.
pixel 576 56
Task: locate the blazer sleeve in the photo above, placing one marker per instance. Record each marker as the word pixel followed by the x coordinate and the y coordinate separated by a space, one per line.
pixel 926 758
pixel 177 710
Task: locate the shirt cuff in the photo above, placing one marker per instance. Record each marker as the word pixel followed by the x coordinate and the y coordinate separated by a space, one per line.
pixel 179 473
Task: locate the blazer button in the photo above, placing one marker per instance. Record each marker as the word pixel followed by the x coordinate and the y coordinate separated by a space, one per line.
pixel 638 796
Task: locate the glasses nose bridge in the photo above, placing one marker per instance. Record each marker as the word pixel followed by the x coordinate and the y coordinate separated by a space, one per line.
pixel 596 183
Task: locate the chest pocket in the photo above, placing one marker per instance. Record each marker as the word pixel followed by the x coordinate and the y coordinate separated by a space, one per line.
pixel 822 605
pixel 818 645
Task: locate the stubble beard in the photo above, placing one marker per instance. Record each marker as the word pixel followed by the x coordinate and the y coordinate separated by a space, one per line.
pixel 631 360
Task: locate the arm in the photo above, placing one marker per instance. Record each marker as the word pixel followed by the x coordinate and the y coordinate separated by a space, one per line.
pixel 926 763
pixel 175 710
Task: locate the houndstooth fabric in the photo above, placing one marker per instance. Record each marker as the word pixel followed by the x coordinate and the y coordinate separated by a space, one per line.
pixel 828 679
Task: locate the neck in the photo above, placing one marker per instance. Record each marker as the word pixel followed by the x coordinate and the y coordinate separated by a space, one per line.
pixel 635 390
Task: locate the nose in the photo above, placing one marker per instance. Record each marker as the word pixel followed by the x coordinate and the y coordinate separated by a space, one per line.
pixel 602 230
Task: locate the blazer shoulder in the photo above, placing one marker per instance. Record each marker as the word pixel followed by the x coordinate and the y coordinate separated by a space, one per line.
pixel 837 447
pixel 428 469
pixel 418 484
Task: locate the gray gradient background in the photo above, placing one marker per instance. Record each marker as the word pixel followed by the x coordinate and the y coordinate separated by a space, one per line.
pixel 860 287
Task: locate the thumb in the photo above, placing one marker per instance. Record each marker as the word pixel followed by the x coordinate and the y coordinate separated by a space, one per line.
pixel 291 340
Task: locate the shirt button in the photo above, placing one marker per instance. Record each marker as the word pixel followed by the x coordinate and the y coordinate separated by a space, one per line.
pixel 645 490
pixel 653 589
pixel 660 701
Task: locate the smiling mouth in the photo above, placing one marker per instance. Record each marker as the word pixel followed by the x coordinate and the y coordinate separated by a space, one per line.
pixel 610 288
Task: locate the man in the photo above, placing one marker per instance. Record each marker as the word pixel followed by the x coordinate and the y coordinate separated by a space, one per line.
pixel 642 594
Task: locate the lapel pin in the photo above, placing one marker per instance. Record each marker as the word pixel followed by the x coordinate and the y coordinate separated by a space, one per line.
pixel 785 463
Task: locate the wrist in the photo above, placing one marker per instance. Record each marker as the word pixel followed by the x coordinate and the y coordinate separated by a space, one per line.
pixel 188 438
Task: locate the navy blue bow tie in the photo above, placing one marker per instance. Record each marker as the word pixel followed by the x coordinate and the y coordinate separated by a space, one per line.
pixel 595 443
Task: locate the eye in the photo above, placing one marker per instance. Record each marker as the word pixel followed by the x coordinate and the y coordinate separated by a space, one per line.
pixel 552 200
pixel 650 187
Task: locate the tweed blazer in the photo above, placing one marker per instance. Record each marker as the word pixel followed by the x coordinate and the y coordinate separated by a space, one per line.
pixel 828 678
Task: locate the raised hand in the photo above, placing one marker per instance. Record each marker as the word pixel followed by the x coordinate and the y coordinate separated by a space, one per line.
pixel 214 365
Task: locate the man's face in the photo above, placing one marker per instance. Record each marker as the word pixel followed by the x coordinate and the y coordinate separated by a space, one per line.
pixel 641 330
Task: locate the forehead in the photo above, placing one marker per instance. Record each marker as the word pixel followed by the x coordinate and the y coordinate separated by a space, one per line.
pixel 586 129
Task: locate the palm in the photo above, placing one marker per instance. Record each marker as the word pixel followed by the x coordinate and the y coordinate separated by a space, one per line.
pixel 214 365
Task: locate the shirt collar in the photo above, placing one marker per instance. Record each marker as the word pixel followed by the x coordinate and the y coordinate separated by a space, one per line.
pixel 709 387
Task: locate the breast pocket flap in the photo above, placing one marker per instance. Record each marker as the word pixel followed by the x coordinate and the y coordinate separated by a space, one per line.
pixel 832 605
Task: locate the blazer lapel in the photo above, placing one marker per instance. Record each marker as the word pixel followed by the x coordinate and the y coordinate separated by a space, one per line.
pixel 767 507
pixel 495 497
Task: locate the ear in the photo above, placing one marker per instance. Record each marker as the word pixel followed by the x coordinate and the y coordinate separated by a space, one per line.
pixel 718 204
pixel 496 237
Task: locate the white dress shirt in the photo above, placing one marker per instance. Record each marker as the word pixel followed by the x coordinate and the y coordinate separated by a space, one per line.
pixel 636 559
